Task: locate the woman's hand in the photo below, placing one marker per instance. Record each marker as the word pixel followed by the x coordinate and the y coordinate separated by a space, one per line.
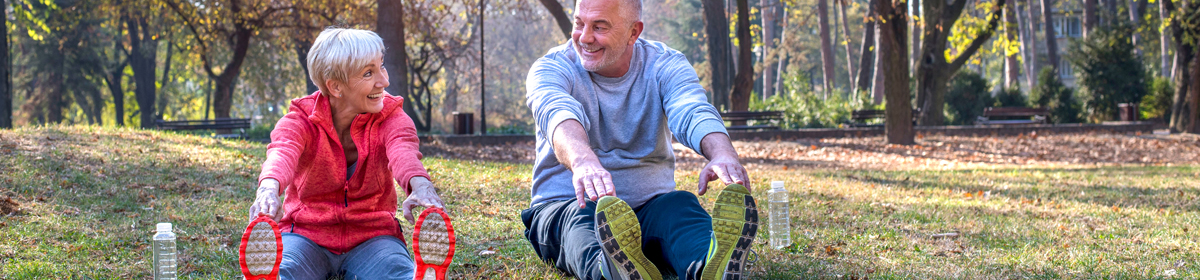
pixel 423 194
pixel 266 200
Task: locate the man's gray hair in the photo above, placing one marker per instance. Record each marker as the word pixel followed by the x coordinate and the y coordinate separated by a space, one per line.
pixel 630 9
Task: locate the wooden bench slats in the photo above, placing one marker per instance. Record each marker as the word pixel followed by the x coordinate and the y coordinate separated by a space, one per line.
pixel 1013 115
pixel 741 116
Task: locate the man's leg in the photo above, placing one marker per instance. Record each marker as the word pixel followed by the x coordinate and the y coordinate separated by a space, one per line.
pixel 382 257
pixel 303 259
pixel 675 232
pixel 565 235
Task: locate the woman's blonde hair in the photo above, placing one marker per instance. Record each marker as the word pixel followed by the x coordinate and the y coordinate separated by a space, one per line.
pixel 339 52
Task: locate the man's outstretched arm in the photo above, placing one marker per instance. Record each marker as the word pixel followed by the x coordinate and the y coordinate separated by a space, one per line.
pixel 572 149
pixel 722 164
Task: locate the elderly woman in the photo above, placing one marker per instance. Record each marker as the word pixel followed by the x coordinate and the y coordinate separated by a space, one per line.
pixel 337 156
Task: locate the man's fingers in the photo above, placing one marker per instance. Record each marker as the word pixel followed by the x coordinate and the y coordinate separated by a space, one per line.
pixel 723 174
pixel 705 176
pixel 601 189
pixel 579 195
pixel 589 189
pixel 609 189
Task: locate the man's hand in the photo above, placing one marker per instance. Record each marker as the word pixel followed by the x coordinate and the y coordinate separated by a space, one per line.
pixel 722 162
pixel 266 201
pixel 423 194
pixel 592 180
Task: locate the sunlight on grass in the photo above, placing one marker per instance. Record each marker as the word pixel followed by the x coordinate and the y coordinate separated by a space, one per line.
pixel 88 199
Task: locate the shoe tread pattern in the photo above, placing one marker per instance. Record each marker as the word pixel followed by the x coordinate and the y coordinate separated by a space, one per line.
pixel 621 238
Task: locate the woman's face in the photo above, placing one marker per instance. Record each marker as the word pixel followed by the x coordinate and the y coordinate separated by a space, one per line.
pixel 364 89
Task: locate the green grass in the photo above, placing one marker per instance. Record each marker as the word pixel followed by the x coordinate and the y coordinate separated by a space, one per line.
pixel 89 199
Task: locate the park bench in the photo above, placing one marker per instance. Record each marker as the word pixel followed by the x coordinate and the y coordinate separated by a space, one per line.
pixel 859 118
pixel 738 119
pixel 1012 116
pixel 221 124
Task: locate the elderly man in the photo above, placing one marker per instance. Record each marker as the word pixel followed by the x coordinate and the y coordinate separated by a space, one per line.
pixel 604 203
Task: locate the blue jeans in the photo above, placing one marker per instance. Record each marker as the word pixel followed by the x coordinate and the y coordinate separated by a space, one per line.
pixel 675 235
pixel 382 257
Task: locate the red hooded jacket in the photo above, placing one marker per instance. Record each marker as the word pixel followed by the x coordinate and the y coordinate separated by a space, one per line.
pixel 306 157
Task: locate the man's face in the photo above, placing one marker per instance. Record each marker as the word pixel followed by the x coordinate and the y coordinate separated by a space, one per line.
pixel 602 36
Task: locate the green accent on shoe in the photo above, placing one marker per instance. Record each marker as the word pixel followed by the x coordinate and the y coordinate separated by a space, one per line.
pixel 620 235
pixel 735 224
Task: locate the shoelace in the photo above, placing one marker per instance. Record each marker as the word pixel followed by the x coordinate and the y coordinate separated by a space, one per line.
pixel 755 253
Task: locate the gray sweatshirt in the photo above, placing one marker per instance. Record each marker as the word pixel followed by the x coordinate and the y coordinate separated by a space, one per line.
pixel 629 120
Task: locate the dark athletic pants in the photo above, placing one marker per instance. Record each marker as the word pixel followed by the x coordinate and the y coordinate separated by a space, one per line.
pixel 675 235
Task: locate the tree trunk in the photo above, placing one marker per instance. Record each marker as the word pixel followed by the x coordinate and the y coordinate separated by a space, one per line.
pixel 143 53
pixel 1012 68
pixel 893 51
pixel 720 54
pixel 1193 98
pixel 744 82
pixel 783 55
pixel 849 53
pixel 1164 40
pixel 1089 17
pixel 827 61
pixel 878 85
pixel 165 81
pixel 301 46
pixel 1135 17
pixel 390 25
pixel 6 104
pixel 1051 38
pixel 556 10
pixel 1029 42
pixel 916 35
pixel 1183 61
pixel 1110 9
pixel 227 80
pixel 934 70
pixel 866 61
pixel 769 8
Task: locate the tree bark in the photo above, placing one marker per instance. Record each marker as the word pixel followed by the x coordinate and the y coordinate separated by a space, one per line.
pixel 916 35
pixel 1184 57
pixel 301 45
pixel 720 54
pixel 1164 40
pixel 744 82
pixel 893 51
pixel 227 80
pixel 934 70
pixel 390 25
pixel 6 104
pixel 827 61
pixel 866 61
pixel 1012 68
pixel 1029 42
pixel 769 14
pixel 849 52
pixel 1051 38
pixel 555 8
pixel 1089 17
pixel 1135 17
pixel 143 53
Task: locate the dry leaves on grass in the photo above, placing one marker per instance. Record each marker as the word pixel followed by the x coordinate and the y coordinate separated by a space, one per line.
pixel 930 152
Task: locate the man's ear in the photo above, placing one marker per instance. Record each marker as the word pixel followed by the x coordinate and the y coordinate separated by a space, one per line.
pixel 636 32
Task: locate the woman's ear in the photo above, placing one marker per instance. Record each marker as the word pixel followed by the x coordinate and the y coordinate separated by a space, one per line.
pixel 335 88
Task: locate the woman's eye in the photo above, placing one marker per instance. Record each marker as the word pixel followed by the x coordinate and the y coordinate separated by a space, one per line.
pixel 368 74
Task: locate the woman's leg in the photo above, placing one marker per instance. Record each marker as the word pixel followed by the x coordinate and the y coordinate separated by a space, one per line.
pixel 382 257
pixel 303 259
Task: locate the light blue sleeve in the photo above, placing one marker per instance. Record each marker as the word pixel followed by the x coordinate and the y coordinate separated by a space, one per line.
pixel 690 116
pixel 548 88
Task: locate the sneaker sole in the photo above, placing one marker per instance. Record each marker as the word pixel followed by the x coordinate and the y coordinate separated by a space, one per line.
pixel 261 250
pixel 433 244
pixel 621 237
pixel 735 224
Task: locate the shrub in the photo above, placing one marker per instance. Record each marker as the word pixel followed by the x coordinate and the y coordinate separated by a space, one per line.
pixel 802 108
pixel 1109 71
pixel 1157 104
pixel 1011 97
pixel 1053 95
pixel 966 96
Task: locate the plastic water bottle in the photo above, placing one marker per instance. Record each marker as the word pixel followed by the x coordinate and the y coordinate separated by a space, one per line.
pixel 780 228
pixel 164 253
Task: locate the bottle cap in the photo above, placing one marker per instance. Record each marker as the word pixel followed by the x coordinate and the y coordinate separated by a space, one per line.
pixel 164 227
pixel 777 185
